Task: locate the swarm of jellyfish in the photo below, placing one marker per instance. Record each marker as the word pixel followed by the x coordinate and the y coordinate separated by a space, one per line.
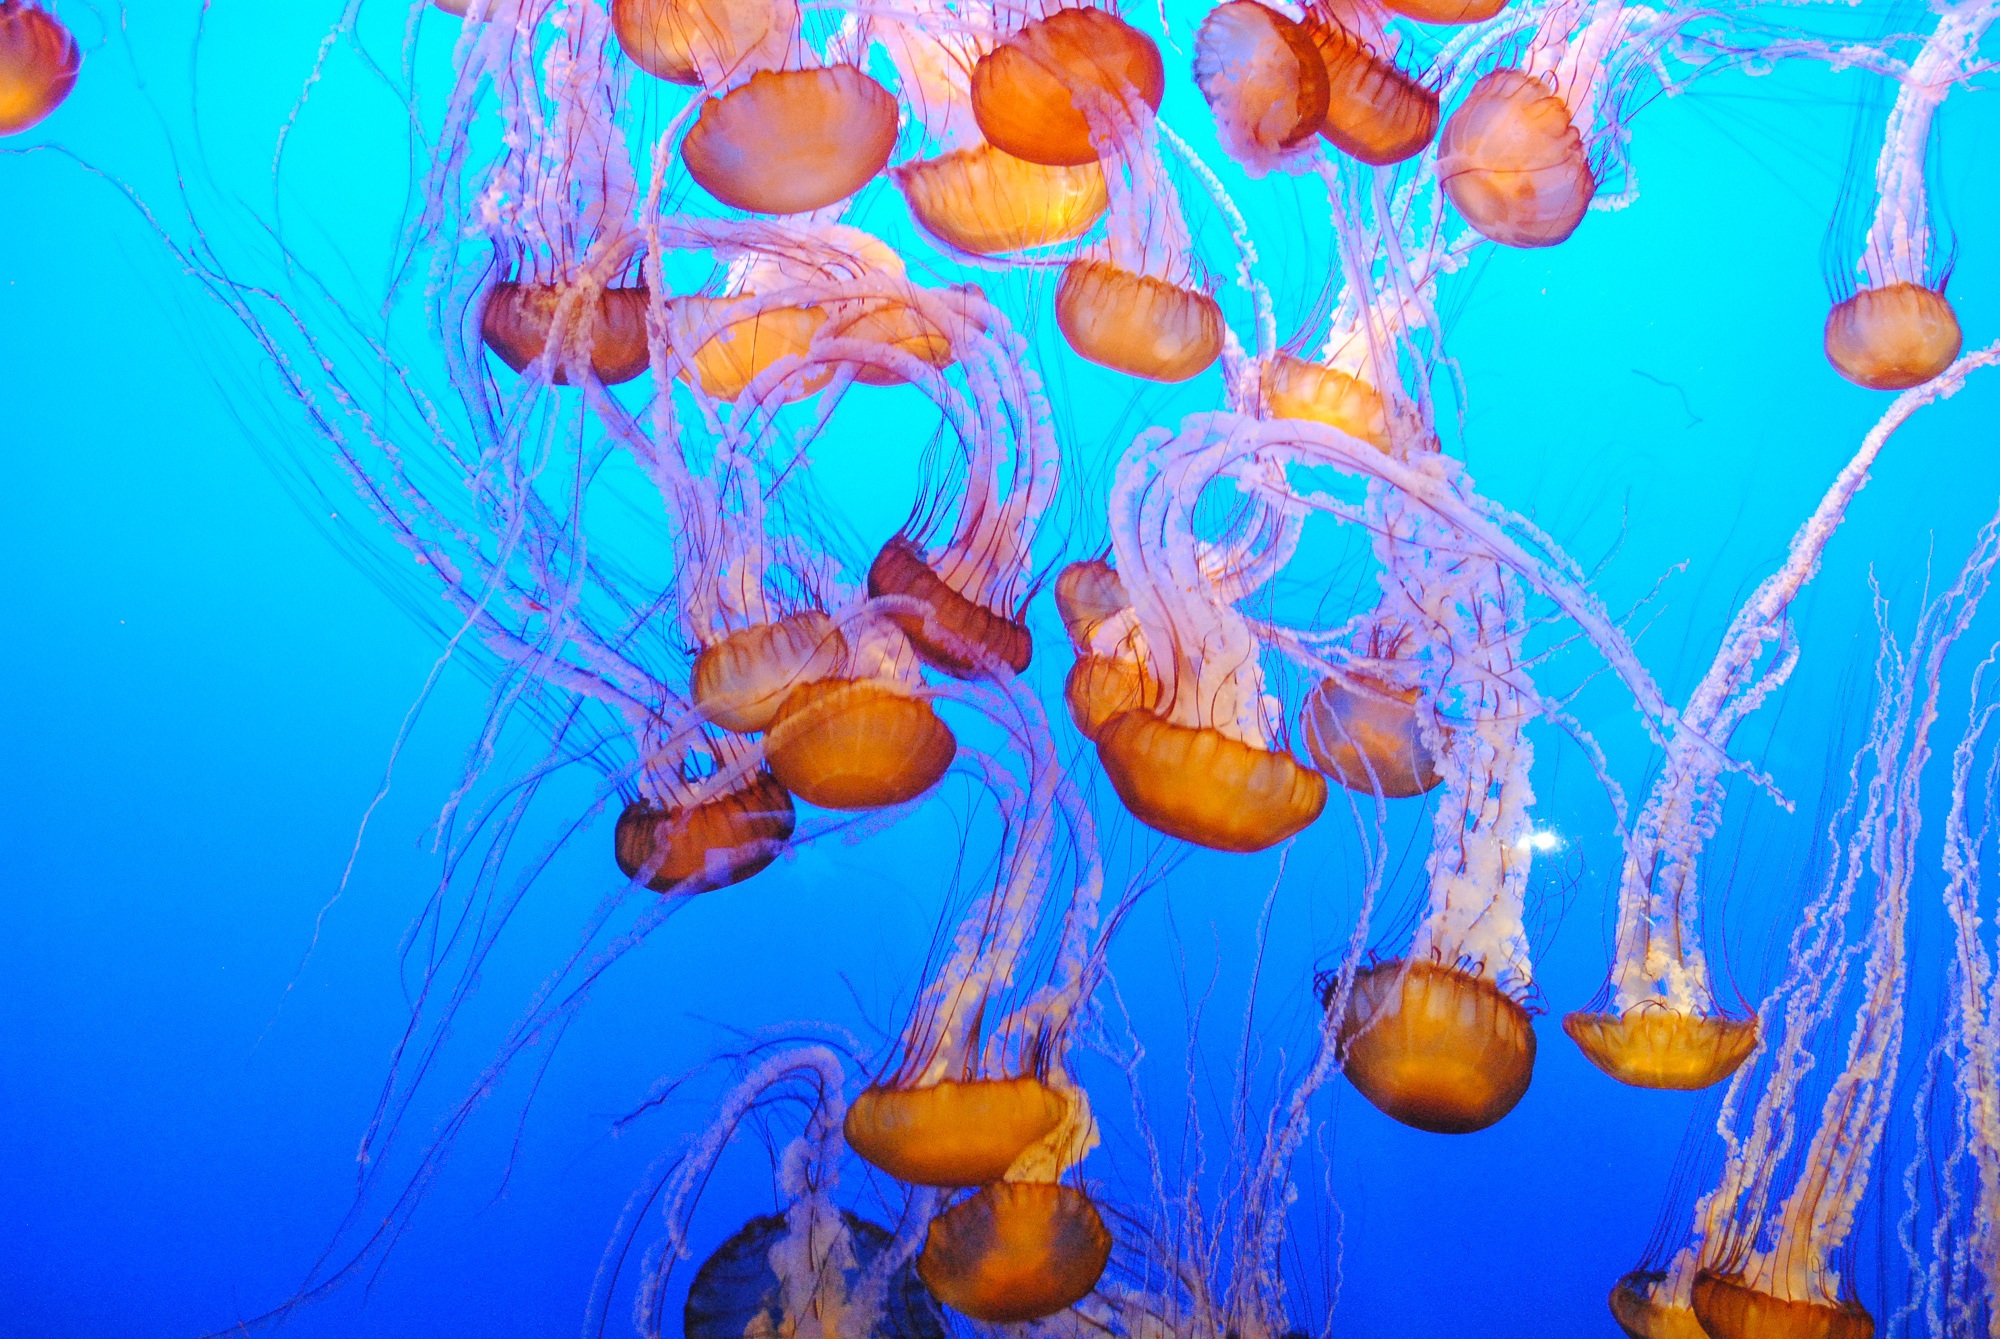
pixel 636 255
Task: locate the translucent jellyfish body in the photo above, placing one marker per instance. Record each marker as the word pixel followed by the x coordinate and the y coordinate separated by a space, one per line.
pixel 1200 785
pixel 1101 687
pixel 1089 594
pixel 736 1292
pixel 711 844
pixel 741 347
pixel 1262 76
pixel 1437 1048
pixel 1640 1311
pixel 1374 112
pixel 740 681
pixel 1513 164
pixel 1892 338
pixel 792 141
pixel 857 744
pixel 1294 388
pixel 705 42
pixel 39 61
pixel 1447 11
pixel 1015 1251
pixel 1025 91
pixel 987 202
pixel 1367 736
pixel 1137 324
pixel 1650 1047
pixel 952 633
pixel 953 1134
pixel 1728 1308
pixel 517 319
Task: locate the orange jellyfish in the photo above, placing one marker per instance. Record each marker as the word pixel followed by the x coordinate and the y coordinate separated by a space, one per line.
pixel 962 636
pixel 1375 112
pixel 1447 11
pixel 861 743
pixel 1264 80
pixel 1898 330
pixel 741 679
pixel 1657 1023
pixel 1033 93
pixel 1435 1047
pixel 1764 1262
pixel 1368 735
pixel 969 194
pixel 689 845
pixel 609 332
pixel 1513 163
pixel 1200 765
pixel 705 42
pixel 1322 393
pixel 39 61
pixel 792 141
pixel 1015 1251
pixel 1111 673
pixel 1133 303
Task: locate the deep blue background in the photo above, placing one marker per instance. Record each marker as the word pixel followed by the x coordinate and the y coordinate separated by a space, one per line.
pixel 200 694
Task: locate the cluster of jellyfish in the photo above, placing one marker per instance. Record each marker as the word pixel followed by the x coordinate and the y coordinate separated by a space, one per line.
pixel 654 192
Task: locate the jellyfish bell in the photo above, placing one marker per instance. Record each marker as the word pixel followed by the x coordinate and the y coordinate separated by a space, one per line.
pixel 1730 1308
pixel 1368 736
pixel 1099 687
pixel 857 744
pixel 956 635
pixel 792 141
pixel 1262 76
pixel 1317 393
pixel 1374 111
pixel 39 60
pixel 1198 784
pixel 1651 1046
pixel 1025 91
pixel 987 202
pixel 1893 337
pixel 711 844
pixel 704 42
pixel 740 681
pixel 738 1292
pixel 1015 1251
pixel 1447 11
pixel 518 318
pixel 1513 163
pixel 1089 594
pixel 1435 1047
pixel 1137 324
pixel 736 339
pixel 1642 1313
pixel 953 1134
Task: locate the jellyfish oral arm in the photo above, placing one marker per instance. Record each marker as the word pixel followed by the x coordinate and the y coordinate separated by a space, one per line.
pixel 1899 236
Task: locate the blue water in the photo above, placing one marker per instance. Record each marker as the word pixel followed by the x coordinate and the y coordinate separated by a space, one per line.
pixel 201 694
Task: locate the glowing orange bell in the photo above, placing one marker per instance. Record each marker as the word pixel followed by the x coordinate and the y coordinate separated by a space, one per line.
pixel 791 141
pixel 39 61
pixel 718 842
pixel 1198 784
pixel 857 744
pixel 516 319
pixel 1728 1308
pixel 1137 324
pixel 1656 1047
pixel 1016 1251
pixel 957 635
pixel 1436 1048
pixel 953 1134
pixel 1023 90
pixel 1892 338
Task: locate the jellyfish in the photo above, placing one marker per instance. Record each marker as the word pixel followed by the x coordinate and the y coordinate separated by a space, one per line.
pixel 695 839
pixel 1264 80
pixel 967 193
pixel 1663 1027
pixel 1200 765
pixel 1896 330
pixel 39 61
pixel 1132 303
pixel 1112 672
pixel 791 141
pixel 1515 156
pixel 1000 1114
pixel 1034 92
pixel 705 42
pixel 1761 1265
pixel 1376 113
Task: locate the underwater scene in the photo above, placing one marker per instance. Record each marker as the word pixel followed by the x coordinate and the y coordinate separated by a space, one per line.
pixel 918 669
